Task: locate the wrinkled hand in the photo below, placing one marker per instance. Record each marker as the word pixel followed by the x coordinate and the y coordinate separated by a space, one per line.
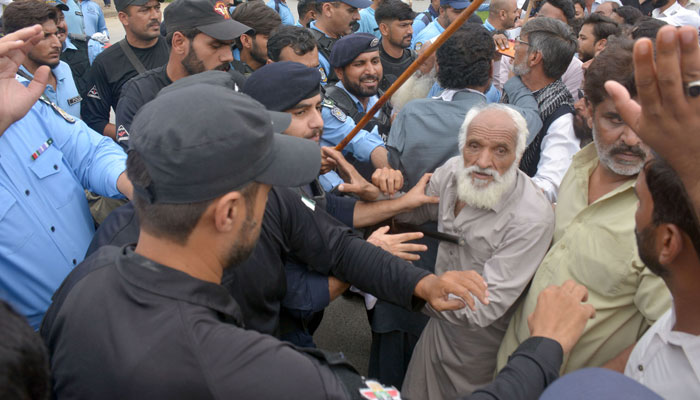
pixel 501 41
pixel 416 197
pixel 436 290
pixel 666 118
pixel 15 98
pixel 560 314
pixel 328 164
pixel 396 244
pixel 354 182
pixel 389 181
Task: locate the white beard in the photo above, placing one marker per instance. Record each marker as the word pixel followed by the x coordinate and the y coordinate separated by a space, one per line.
pixel 480 193
pixel 416 87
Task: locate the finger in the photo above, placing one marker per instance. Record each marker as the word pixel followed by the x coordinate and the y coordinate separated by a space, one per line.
pixel 398 181
pixel 382 230
pixel 580 293
pixel 404 237
pixel 38 84
pixel 589 309
pixel 452 304
pixel 629 110
pixel 410 247
pixel 23 34
pixel 432 199
pixel 407 256
pixel 668 69
pixel 6 47
pixel 349 188
pixel 690 54
pixel 383 185
pixel 645 77
pixel 568 286
pixel 465 288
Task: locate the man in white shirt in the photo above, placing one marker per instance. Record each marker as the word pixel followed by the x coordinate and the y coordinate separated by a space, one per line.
pixel 667 358
pixel 674 14
pixel 543 51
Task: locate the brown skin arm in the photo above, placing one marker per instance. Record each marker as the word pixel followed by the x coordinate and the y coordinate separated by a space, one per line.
pixel 110 131
pixel 620 361
pixel 336 287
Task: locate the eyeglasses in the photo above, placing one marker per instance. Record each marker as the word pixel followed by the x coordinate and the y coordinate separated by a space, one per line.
pixel 517 39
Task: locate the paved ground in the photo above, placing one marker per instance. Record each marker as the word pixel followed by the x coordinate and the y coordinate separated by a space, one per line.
pixel 344 327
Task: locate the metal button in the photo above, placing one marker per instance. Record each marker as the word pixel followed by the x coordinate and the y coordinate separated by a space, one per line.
pixel 26 192
pixel 640 367
pixel 55 167
pixel 75 261
pixel 53 229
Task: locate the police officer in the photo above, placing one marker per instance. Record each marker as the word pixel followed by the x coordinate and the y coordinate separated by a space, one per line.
pixel 394 20
pixel 426 17
pixel 61 89
pixel 355 60
pixel 200 39
pixel 447 12
pixel 250 52
pixel 334 19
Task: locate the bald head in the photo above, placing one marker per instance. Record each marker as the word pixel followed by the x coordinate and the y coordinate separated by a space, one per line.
pixel 503 14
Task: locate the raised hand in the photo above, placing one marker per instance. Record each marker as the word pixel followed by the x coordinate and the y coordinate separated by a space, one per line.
pixel 396 244
pixel 389 181
pixel 354 182
pixel 463 284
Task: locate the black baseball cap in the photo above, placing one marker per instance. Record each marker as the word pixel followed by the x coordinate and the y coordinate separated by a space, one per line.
pixel 282 85
pixel 121 5
pixel 351 3
pixel 209 16
pixel 349 47
pixel 200 140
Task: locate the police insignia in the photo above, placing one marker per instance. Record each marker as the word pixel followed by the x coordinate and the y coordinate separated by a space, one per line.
pixel 58 109
pixel 94 94
pixel 374 43
pixel 418 46
pixel 122 134
pixel 339 114
pixel 324 77
pixel 221 9
pixel 75 100
pixel 375 391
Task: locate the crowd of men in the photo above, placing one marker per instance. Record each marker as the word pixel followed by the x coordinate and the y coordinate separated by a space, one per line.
pixel 178 208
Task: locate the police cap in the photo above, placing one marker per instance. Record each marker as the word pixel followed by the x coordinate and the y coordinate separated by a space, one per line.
pixel 351 3
pixel 456 4
pixel 349 47
pixel 209 16
pixel 282 85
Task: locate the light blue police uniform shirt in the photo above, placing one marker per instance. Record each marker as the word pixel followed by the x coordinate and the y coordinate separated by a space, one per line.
pixel 284 12
pixel 432 30
pixel 45 222
pixel 419 23
pixel 93 18
pixel 488 26
pixel 368 24
pixel 74 17
pixel 323 63
pixel 66 94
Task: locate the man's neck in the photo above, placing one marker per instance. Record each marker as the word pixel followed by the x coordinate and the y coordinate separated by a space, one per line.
pixel 442 20
pixel 139 43
pixel 667 6
pixel 32 67
pixel 249 60
pixel 390 49
pixel 175 70
pixel 603 181
pixel 374 5
pixel 321 26
pixel 203 265
pixel 496 23
pixel 535 80
pixel 682 281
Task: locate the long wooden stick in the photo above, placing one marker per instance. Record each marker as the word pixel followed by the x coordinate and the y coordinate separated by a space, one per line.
pixel 529 10
pixel 466 13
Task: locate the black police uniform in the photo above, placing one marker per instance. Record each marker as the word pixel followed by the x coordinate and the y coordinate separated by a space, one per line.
pixel 394 67
pixel 110 71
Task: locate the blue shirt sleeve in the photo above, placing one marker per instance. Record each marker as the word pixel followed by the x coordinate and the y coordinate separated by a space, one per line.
pixel 307 290
pixel 341 207
pixel 335 130
pixel 326 65
pixel 329 180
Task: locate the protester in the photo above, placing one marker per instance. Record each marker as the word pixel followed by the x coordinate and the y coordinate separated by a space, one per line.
pixel 626 15
pixel 142 49
pixel 200 39
pixel 61 89
pixel 594 241
pixel 394 19
pixel 673 13
pixel 594 35
pixel 607 8
pixel 502 15
pixel 478 190
pixel 251 47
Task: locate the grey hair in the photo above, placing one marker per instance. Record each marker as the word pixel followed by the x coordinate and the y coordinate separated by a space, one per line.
pixel 518 121
pixel 555 40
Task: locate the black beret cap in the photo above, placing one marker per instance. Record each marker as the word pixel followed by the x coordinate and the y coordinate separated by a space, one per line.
pixel 282 85
pixel 349 47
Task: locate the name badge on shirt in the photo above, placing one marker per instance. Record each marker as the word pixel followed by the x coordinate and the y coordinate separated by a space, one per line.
pixel 75 100
pixel 78 13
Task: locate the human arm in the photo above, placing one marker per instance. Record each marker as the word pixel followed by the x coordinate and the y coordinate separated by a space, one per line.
pixel 396 243
pixel 558 147
pixel 619 362
pixel 666 117
pixel 16 99
pixel 362 146
pixel 521 98
pixel 96 104
pixel 130 102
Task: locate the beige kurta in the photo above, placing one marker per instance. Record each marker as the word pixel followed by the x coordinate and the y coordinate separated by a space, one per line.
pixel 595 246
pixel 457 351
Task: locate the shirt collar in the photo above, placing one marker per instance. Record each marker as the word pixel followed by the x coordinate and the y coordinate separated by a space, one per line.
pixel 171 283
pixel 69 44
pixel 357 102
pixel 668 12
pixel 488 26
pixel 449 94
pixel 586 160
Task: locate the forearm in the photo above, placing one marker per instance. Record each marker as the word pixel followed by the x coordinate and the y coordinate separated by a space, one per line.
pixel 336 287
pixel 380 157
pixel 110 131
pixel 372 212
pixel 124 186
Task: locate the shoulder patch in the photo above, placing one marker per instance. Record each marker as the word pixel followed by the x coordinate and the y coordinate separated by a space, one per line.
pixel 375 391
pixel 324 77
pixel 122 134
pixel 93 93
pixel 338 114
pixel 57 109
pixel 418 46
pixel 328 103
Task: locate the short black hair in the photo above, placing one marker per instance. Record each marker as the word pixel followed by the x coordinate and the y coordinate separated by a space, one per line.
pixel 301 40
pixel 602 26
pixel 629 14
pixel 393 10
pixel 258 16
pixel 188 33
pixel 465 58
pixel 647 27
pixel 303 6
pixel 613 63
pixel 24 361
pixel 566 7
pixel 582 3
pixel 23 13
pixel 672 203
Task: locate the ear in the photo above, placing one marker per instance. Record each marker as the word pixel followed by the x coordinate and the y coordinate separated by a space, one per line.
pixel 339 73
pixel 670 242
pixel 599 46
pixel 247 41
pixel 535 58
pixel 384 29
pixel 327 9
pixel 229 211
pixel 180 44
pixel 123 18
pixel 502 14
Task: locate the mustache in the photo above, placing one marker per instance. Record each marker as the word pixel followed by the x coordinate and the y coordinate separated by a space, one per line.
pixel 369 77
pixel 635 150
pixel 154 22
pixel 223 67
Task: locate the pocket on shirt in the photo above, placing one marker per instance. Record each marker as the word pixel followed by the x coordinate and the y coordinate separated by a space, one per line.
pixel 16 229
pixel 56 180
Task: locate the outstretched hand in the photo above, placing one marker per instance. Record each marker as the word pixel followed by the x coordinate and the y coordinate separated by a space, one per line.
pixel 16 99
pixel 354 182
pixel 396 244
pixel 416 197
pixel 462 285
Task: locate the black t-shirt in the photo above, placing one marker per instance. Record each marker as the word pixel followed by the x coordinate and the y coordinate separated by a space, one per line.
pixel 110 71
pixel 394 67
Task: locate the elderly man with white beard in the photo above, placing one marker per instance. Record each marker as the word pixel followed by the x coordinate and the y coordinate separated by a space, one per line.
pixel 505 224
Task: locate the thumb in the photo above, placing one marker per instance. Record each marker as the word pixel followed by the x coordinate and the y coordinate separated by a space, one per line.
pixel 38 84
pixel 432 199
pixel 349 188
pixel 382 230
